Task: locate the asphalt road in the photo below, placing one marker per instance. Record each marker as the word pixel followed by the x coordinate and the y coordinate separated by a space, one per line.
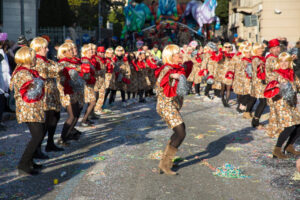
pixel 118 158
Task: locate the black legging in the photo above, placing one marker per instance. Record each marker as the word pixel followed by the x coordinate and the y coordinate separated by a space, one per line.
pixel 260 108
pixel 112 96
pixel 178 135
pixel 197 88
pixel 37 131
pixel 207 89
pixel 73 111
pixel 52 118
pixel 249 102
pixel 228 88
pixel 292 132
pixel 107 92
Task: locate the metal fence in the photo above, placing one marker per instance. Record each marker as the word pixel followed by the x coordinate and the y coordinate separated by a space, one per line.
pixel 59 34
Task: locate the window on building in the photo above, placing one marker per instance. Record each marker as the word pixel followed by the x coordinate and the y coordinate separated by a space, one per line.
pixel 249 35
pixel 250 20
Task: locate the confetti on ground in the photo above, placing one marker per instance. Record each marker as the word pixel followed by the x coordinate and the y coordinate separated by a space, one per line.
pixel 211 131
pixel 99 158
pixel 2 154
pixel 200 136
pixel 229 171
pixel 192 127
pixel 156 155
pixel 296 176
pixel 235 149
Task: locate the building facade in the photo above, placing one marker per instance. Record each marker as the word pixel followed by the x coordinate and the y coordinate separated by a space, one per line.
pixel 11 13
pixel 258 20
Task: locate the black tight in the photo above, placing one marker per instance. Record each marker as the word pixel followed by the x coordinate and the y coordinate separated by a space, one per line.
pixel 178 135
pixel 292 132
pixel 250 102
pixel 73 111
pixel 228 91
pixel 107 91
pixel 260 108
pixel 123 95
pixel 207 89
pixel 37 131
pixel 52 118
pixel 197 88
pixel 112 96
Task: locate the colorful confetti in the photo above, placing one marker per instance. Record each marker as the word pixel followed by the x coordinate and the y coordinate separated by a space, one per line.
pixel 229 171
pixel 156 155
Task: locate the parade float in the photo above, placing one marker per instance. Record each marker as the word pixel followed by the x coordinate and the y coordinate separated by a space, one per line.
pixel 170 17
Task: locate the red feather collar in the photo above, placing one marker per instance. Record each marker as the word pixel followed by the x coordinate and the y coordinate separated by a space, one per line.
pixel 65 59
pixel 271 55
pixel 287 74
pixel 42 58
pixel 247 59
pixel 260 58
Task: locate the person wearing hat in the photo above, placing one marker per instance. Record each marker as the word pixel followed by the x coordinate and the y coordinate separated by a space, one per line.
pixel 281 91
pixel 271 60
pixel 100 79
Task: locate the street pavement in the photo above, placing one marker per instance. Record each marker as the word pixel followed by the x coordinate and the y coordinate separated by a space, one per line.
pixel 117 159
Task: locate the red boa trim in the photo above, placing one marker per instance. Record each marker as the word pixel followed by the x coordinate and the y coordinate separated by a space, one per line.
pixel 109 66
pixel 287 74
pixel 229 75
pixel 86 68
pixel 72 61
pixel 271 55
pixel 77 60
pixel 26 86
pixel 271 89
pixel 151 64
pixel 260 58
pixel 141 64
pixel 261 72
pixel 170 91
pixel 67 87
pixel 202 72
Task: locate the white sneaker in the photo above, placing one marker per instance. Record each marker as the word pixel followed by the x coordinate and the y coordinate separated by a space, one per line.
pixel 198 96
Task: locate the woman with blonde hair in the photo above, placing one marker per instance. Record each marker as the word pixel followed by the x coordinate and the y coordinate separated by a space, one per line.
pixel 109 76
pixel 122 72
pixel 171 87
pixel 237 84
pixel 49 70
pixel 29 92
pixel 282 92
pixel 258 83
pixel 70 86
pixel 227 74
pixel 246 78
pixel 88 70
